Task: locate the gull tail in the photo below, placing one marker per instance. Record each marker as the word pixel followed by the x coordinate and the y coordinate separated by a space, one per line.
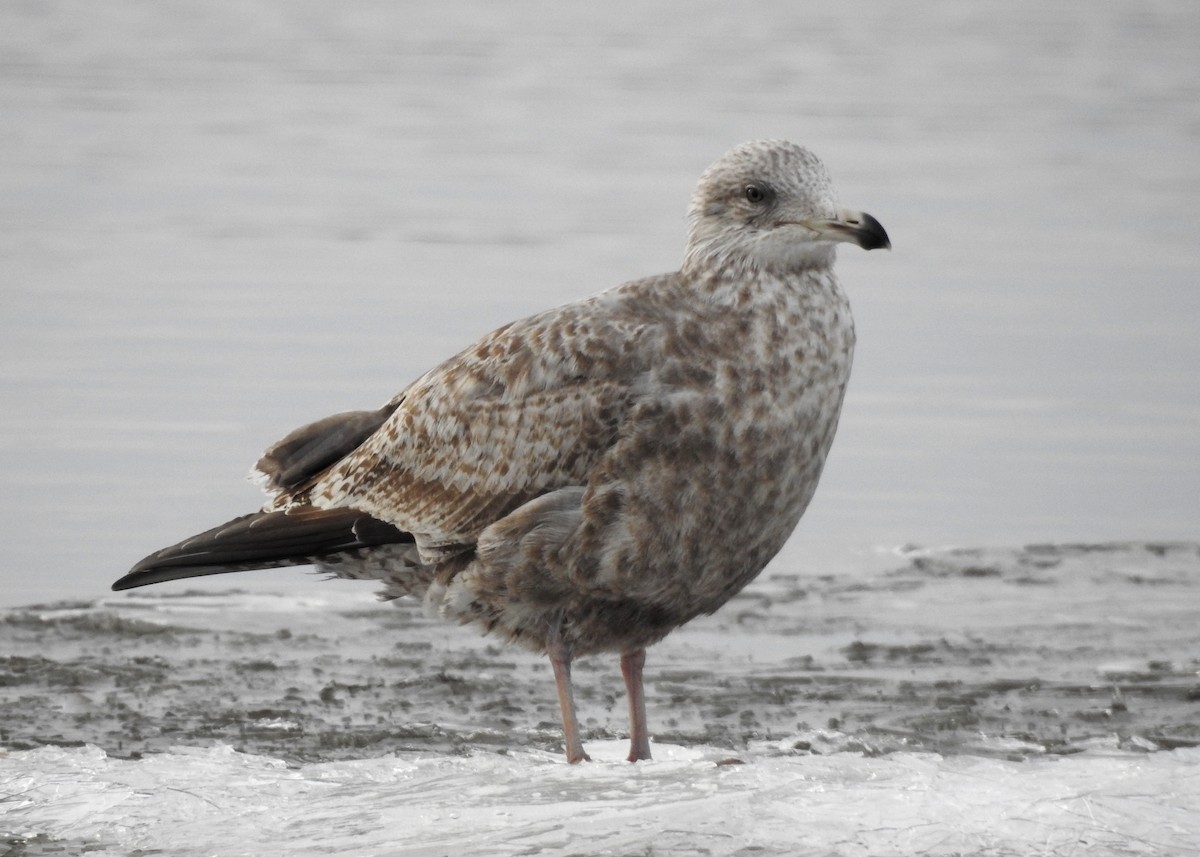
pixel 264 540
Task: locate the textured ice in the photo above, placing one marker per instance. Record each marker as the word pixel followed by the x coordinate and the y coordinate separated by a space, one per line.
pixel 967 701
pixel 193 801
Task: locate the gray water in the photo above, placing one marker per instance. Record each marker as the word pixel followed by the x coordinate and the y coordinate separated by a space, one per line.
pixel 221 221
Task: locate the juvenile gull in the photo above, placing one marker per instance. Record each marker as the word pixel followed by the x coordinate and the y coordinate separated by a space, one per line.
pixel 587 479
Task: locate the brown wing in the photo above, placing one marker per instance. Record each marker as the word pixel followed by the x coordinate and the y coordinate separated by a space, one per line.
pixel 530 408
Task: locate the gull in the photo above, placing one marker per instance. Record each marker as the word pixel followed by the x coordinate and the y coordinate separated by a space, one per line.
pixel 588 479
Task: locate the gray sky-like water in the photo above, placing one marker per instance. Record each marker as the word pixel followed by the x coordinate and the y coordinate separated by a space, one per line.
pixel 219 222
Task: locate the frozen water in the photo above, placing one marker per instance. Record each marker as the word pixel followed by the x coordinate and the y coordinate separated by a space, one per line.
pixel 1012 653
pixel 988 702
pixel 216 801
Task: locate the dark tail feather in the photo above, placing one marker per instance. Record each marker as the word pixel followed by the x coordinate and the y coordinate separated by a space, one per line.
pixel 263 540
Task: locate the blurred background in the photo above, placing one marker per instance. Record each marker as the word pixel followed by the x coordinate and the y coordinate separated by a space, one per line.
pixel 220 221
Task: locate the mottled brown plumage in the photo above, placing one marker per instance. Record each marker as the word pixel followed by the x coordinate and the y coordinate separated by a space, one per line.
pixel 588 479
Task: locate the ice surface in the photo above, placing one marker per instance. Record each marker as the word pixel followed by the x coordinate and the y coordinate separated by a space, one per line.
pixel 1018 652
pixel 216 801
pixel 967 701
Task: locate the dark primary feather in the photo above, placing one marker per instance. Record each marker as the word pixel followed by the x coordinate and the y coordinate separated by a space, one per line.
pixel 263 540
pixel 310 449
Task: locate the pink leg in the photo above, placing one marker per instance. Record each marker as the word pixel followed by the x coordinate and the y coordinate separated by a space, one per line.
pixel 560 659
pixel 639 735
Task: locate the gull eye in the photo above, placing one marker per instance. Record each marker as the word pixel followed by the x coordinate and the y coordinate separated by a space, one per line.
pixel 756 194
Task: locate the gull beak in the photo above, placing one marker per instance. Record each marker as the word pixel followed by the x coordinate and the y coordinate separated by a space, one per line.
pixel 855 227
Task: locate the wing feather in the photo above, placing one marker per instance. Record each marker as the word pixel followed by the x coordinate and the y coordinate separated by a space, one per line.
pixel 528 409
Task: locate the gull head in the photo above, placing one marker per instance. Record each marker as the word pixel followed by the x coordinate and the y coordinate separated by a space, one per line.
pixel 770 205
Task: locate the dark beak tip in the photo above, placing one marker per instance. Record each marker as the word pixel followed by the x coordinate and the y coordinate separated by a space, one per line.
pixel 873 235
